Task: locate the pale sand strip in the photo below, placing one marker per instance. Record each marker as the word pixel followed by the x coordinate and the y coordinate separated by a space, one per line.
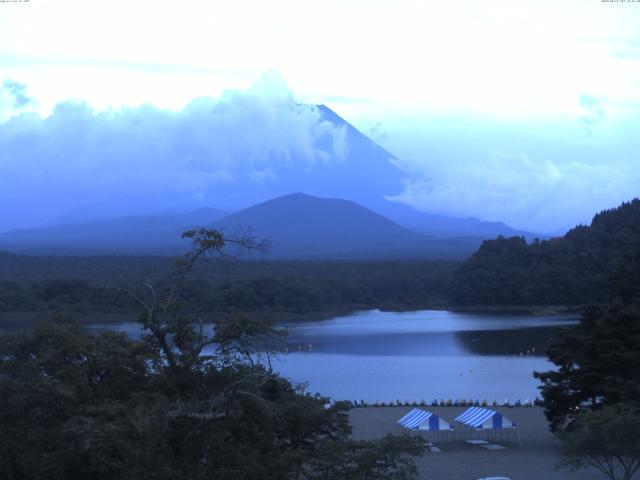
pixel 459 461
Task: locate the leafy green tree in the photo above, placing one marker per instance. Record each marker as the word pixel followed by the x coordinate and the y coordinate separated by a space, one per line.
pixel 598 363
pixel 69 400
pixel 607 439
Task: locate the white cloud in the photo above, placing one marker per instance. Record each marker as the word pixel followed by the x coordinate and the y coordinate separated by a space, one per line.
pixel 529 192
pixel 149 156
pixel 468 80
pixel 502 57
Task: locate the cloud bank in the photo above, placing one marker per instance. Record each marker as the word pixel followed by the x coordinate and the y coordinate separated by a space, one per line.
pixel 251 145
pixel 547 190
pixel 144 158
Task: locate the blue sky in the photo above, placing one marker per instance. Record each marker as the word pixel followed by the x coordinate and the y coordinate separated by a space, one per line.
pixel 522 111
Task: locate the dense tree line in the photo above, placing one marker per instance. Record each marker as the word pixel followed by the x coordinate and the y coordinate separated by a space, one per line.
pixel 293 288
pixel 576 269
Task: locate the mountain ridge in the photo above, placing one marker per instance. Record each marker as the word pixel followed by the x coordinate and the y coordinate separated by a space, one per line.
pixel 307 225
pixel 299 225
pixel 127 234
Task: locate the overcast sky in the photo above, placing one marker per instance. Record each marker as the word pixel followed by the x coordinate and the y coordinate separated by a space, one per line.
pixel 521 111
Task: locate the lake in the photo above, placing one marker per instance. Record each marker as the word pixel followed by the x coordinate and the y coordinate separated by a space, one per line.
pixel 421 355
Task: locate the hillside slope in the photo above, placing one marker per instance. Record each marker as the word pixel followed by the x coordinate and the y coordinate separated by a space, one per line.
pixel 576 269
pixel 300 225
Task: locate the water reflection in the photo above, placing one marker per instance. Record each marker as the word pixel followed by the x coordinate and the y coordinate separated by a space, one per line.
pixel 428 333
pixel 385 356
pixel 531 341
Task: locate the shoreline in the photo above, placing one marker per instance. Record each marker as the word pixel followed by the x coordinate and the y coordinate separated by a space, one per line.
pixel 16 320
pixel 534 310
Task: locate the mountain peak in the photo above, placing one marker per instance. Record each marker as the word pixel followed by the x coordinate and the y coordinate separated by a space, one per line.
pixel 303 225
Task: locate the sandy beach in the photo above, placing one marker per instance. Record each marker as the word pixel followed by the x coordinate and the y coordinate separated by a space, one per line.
pixel 535 460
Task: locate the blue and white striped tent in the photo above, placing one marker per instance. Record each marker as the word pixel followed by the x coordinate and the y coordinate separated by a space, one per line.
pixel 484 419
pixel 418 419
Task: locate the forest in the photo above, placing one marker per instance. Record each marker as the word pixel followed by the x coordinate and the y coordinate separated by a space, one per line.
pixel 90 287
pixel 586 265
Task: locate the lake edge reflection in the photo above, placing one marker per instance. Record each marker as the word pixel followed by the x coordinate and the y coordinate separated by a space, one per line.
pixel 422 355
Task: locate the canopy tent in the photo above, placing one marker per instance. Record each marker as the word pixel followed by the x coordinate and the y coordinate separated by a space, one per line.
pixel 418 419
pixel 478 419
pixel 483 419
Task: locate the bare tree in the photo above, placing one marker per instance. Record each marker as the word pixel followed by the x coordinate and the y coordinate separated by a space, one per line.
pixel 160 315
pixel 242 343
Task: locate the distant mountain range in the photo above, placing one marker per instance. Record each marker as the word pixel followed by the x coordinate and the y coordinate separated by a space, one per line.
pixel 300 225
pixel 297 225
pixel 343 212
pixel 143 234
pixel 442 226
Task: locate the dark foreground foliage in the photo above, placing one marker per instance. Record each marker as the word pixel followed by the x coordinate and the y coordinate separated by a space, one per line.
pixel 607 439
pixel 79 406
pixel 598 363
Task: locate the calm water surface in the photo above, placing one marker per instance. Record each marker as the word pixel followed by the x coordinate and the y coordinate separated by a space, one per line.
pixel 389 356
